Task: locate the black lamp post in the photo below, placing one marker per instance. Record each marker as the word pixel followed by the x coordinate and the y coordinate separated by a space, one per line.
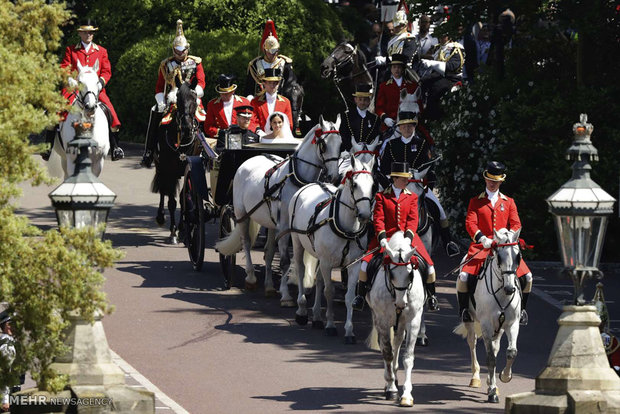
pixel 82 199
pixel 580 209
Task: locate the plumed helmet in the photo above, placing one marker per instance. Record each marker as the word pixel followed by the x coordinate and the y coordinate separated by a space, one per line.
pixel 400 18
pixel 180 43
pixel 269 40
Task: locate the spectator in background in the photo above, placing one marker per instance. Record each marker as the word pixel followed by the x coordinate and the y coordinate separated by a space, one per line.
pixel 501 39
pixel 7 356
pixel 424 37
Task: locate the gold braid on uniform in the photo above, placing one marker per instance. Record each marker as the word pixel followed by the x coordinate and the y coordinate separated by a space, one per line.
pixel 404 153
pixel 455 50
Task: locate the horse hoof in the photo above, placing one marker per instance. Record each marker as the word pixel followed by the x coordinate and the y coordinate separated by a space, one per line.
pixel 422 341
pixel 318 325
pixel 301 319
pixel 350 340
pixel 287 304
pixel 173 240
pixel 160 220
pixel 493 398
pixel 331 331
pixel 391 395
pixel 250 286
pixel 406 402
pixel 474 383
pixel 505 378
pixel 270 293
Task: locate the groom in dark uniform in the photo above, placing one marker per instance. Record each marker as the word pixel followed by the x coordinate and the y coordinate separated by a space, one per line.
pixel 359 124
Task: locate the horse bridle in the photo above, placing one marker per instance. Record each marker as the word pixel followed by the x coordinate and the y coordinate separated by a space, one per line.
pixel 192 132
pixel 339 63
pixel 349 177
pixel 389 265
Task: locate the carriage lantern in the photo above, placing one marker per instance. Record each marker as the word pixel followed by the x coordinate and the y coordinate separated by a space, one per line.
pixel 82 199
pixel 580 209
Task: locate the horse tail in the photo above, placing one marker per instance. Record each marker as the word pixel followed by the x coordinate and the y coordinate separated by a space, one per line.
pixel 155 183
pixel 231 244
pixel 462 331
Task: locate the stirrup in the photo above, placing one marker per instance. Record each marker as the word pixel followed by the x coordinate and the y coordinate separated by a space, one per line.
pixel 358 303
pixel 465 316
pixel 147 159
pixel 118 154
pixel 433 304
pixel 452 249
pixel 524 319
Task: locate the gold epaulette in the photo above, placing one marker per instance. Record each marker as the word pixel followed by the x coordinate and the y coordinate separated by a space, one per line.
pixel 286 59
pixel 389 81
pixel 388 191
pixel 482 195
pixel 238 98
pixel 503 196
pixel 195 58
pixel 252 62
pixel 406 191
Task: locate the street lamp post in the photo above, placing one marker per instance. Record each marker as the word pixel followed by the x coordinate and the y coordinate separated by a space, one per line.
pixel 580 210
pixel 83 200
pixel 577 378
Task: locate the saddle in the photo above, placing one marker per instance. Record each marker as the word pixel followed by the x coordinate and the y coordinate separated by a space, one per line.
pixel 107 112
pixel 472 282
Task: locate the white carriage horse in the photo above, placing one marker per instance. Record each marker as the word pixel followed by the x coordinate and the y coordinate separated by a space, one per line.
pixel 498 308
pixel 262 189
pixel 86 107
pixel 330 224
pixel 396 299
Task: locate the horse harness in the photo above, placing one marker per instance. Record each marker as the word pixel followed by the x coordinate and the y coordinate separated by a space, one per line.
pixel 388 266
pixel 334 202
pixel 273 192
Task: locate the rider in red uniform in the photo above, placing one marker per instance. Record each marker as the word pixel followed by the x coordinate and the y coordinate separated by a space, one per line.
pixel 388 95
pixel 87 53
pixel 270 101
pixel 221 111
pixel 489 211
pixel 396 209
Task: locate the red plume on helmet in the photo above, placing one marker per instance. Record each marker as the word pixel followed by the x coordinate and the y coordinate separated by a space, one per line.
pixel 270 29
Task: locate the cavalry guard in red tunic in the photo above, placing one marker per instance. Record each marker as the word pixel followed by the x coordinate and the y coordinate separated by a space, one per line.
pixel 179 67
pixel 489 211
pixel 221 111
pixel 87 53
pixel 396 209
pixel 270 101
pixel 272 59
pixel 388 96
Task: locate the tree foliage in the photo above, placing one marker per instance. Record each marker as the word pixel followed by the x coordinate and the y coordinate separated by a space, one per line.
pixel 43 276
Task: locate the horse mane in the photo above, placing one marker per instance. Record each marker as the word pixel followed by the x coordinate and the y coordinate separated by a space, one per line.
pixel 185 95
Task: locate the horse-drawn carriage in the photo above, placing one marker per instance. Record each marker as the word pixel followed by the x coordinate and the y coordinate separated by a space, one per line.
pixel 207 192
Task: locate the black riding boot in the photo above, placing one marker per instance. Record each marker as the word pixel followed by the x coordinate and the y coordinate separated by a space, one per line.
pixel 524 318
pixel 433 304
pixel 117 152
pixel 50 135
pixel 451 248
pixel 151 139
pixel 464 306
pixel 358 302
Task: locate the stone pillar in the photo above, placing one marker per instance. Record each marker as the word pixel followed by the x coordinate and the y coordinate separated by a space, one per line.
pixel 577 378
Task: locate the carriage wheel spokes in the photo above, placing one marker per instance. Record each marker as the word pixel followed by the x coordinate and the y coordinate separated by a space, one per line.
pixel 193 222
pixel 228 263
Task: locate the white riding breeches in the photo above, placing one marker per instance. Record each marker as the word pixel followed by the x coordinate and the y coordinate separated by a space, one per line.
pixel 364 266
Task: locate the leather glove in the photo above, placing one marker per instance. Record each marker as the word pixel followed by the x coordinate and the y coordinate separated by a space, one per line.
pixel 486 242
pixel 389 122
pixel 161 105
pixel 380 60
pixel 72 82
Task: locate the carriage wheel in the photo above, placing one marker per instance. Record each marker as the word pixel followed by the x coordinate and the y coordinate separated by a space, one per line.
pixel 228 263
pixel 194 223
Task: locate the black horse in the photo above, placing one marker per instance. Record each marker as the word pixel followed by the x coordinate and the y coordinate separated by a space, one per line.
pixel 295 93
pixel 346 66
pixel 176 141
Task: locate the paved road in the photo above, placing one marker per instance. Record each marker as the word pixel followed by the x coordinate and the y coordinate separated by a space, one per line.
pixel 215 351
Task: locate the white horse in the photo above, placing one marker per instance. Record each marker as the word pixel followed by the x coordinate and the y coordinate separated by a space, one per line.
pixel 498 307
pixel 335 234
pixel 86 107
pixel 318 152
pixel 396 300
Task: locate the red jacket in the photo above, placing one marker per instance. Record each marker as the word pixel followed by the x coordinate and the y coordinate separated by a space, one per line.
pixel 261 110
pixel 75 54
pixel 483 218
pixel 160 86
pixel 216 119
pixel 391 215
pixel 388 98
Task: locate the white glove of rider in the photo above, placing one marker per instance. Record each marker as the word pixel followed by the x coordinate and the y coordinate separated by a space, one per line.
pixel 172 96
pixel 72 82
pixel 486 242
pixel 161 105
pixel 437 66
pixel 199 91
pixel 250 97
pixel 380 60
pixel 383 243
pixel 389 122
pixel 408 241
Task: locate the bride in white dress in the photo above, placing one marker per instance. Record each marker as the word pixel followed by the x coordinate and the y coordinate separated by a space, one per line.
pixel 278 130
